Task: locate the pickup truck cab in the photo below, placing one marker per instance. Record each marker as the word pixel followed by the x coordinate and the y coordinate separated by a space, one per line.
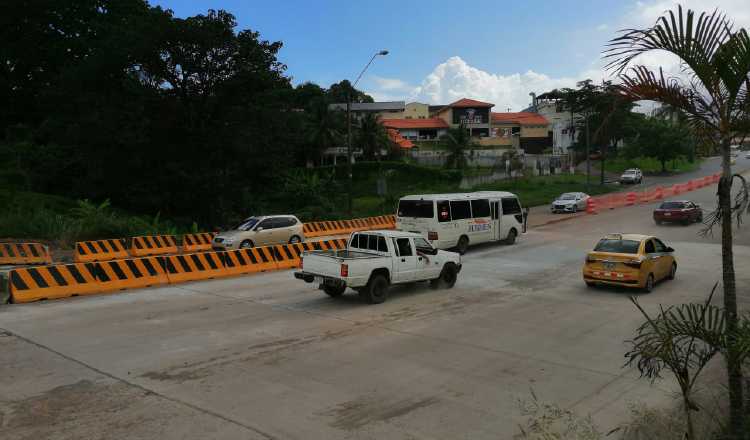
pixel 374 260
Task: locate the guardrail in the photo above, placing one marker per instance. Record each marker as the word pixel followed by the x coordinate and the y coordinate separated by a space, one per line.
pixel 55 281
pixel 618 200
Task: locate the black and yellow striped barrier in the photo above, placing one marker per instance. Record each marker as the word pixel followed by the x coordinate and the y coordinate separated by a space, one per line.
pixel 24 253
pixel 100 250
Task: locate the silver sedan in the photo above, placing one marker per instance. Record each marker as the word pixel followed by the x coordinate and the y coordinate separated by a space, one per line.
pixel 570 202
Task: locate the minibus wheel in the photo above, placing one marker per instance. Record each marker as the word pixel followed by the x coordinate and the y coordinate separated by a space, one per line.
pixel 463 244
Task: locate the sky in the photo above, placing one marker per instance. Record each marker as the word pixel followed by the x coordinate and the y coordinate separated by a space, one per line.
pixel 440 51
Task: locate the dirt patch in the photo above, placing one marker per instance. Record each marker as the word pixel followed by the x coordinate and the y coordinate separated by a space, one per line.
pixel 355 414
pixel 83 406
pixel 270 353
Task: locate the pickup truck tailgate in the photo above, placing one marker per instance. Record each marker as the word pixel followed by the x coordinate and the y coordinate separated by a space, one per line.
pixel 326 263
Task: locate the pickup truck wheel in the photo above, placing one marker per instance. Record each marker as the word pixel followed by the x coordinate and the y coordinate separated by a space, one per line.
pixel 334 291
pixel 447 279
pixel 377 289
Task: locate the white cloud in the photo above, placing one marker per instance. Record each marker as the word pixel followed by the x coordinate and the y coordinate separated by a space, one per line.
pixel 391 84
pixel 454 78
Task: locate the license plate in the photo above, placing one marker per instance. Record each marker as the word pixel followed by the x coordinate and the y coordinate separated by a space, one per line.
pixel 609 265
pixel 318 280
pixel 667 214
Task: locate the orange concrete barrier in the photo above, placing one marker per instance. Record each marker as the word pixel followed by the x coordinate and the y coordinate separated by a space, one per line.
pixel 630 199
pixel 285 256
pixel 100 250
pixel 130 273
pixel 591 205
pixel 245 261
pixel 24 253
pixel 197 242
pixel 658 193
pixel 153 245
pixel 193 267
pixel 51 282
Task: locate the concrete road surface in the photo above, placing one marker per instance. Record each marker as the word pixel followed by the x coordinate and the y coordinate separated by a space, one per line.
pixel 269 357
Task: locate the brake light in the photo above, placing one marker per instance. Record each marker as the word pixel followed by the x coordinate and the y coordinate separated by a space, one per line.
pixel 633 263
pixel 301 262
pixel 344 270
pixel 432 236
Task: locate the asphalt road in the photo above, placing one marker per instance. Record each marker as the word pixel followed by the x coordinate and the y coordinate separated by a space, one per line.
pixel 267 356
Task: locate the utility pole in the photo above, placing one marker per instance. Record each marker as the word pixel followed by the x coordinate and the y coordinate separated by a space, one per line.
pixel 588 154
pixel 349 152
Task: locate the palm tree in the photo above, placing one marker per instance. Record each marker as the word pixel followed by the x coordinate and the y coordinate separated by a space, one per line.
pixel 371 136
pixel 716 60
pixel 323 130
pixel 457 141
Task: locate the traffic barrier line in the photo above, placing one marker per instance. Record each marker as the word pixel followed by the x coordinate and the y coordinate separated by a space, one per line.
pixel 192 267
pixel 197 242
pixel 130 273
pixel 100 250
pixel 146 245
pixel 52 282
pixel 24 253
pixel 244 261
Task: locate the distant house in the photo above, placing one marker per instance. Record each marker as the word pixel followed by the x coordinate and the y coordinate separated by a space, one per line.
pixel 525 130
pixel 428 129
pixel 562 121
pixel 385 110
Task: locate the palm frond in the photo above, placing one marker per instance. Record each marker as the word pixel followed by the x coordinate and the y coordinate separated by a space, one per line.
pixel 641 83
pixel 732 64
pixel 695 43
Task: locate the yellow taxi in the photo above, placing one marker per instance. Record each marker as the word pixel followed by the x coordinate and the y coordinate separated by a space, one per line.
pixel 629 260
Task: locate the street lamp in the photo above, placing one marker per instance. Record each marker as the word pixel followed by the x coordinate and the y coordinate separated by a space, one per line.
pixel 349 126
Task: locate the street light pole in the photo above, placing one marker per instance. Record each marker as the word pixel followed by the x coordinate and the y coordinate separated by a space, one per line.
pixel 349 152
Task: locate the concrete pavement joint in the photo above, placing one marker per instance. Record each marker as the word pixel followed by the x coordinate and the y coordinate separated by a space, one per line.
pixel 140 387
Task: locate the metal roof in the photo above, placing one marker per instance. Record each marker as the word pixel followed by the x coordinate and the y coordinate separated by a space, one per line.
pixel 370 106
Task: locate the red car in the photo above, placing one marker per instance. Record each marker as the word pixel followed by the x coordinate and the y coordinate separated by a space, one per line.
pixel 682 211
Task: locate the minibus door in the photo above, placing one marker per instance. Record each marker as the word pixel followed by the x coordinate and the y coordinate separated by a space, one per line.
pixel 496 219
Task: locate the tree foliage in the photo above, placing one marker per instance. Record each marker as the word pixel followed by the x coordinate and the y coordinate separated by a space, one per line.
pixel 119 100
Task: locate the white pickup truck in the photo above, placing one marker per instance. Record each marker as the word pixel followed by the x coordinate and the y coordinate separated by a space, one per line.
pixel 374 260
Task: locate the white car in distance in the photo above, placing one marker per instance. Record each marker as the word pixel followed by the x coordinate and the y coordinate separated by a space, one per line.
pixel 570 202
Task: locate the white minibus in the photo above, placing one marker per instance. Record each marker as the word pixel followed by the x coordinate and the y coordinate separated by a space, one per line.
pixel 458 220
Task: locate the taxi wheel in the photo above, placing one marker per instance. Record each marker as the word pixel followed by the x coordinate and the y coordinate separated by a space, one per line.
pixel 590 284
pixel 649 286
pixel 672 272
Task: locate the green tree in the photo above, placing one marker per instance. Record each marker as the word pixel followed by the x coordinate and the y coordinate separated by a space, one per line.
pixel 338 93
pixel 661 140
pixel 371 136
pixel 715 98
pixel 458 142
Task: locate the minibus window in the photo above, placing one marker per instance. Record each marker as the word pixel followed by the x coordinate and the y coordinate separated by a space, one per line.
pixel 480 208
pixel 511 206
pixel 416 208
pixel 444 211
pixel 460 209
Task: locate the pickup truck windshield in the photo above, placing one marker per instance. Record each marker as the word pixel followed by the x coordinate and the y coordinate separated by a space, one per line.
pixel 416 208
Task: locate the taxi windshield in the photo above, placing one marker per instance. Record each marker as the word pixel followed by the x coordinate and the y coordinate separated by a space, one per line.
pixel 617 246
